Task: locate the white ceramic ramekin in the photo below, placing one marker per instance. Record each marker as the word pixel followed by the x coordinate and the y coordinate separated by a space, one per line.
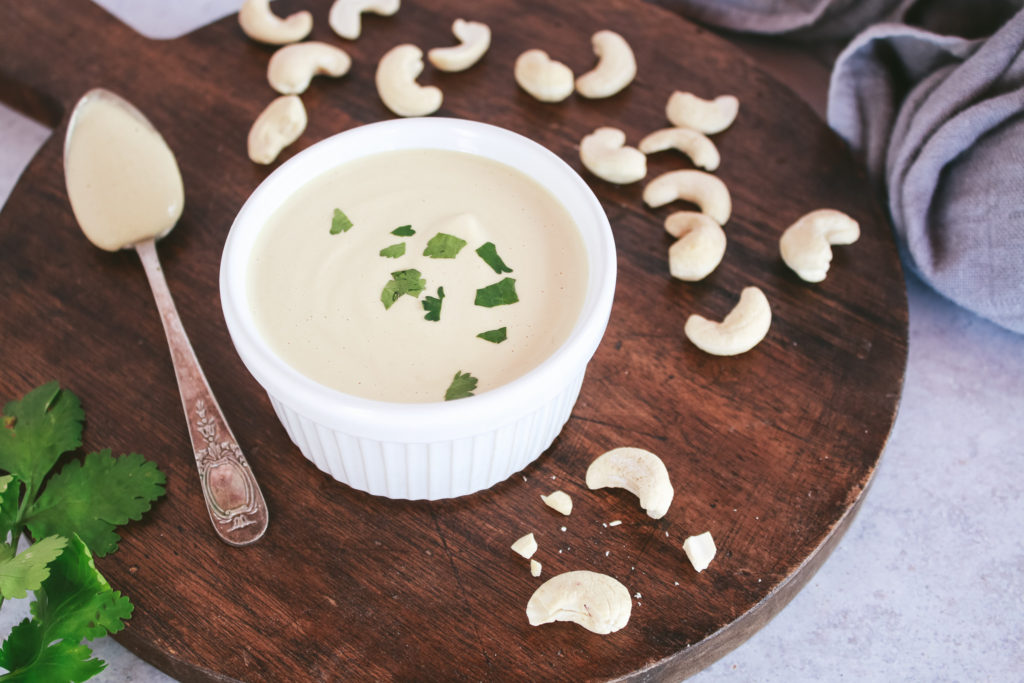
pixel 423 450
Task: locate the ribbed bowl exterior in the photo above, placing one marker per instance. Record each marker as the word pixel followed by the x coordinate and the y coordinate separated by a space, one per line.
pixel 434 470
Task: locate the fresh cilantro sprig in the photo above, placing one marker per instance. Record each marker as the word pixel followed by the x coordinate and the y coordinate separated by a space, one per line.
pixel 463 385
pixel 432 305
pixel 72 516
pixel 443 245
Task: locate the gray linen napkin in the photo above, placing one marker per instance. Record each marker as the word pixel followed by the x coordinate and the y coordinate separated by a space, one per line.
pixel 938 120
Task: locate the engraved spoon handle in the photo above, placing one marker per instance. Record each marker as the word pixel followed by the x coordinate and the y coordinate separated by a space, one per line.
pixel 233 498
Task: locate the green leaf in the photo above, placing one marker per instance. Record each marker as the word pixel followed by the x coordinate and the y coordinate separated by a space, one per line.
pixel 27 570
pixel 93 497
pixel 37 430
pixel 402 282
pixel 443 245
pixel 10 488
pixel 489 253
pixel 499 294
pixel 432 305
pixel 63 661
pixel 463 385
pixel 21 648
pixel 340 222
pixel 394 251
pixel 76 602
pixel 495 336
pixel 404 231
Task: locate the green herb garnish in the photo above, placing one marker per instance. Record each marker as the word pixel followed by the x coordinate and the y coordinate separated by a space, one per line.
pixel 443 245
pixel 498 294
pixel 402 282
pixel 489 253
pixel 432 305
pixel 463 385
pixel 495 336
pixel 78 510
pixel 340 222
pixel 404 231
pixel 394 251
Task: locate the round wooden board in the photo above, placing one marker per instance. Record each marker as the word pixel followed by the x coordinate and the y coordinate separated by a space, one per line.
pixel 771 451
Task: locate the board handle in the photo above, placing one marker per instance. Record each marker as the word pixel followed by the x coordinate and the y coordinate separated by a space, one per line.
pixel 53 50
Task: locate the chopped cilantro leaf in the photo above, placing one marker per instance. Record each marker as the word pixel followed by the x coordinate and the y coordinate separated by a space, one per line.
pixel 489 253
pixel 432 305
pixel 495 336
pixel 443 245
pixel 394 251
pixel 404 231
pixel 340 222
pixel 402 282
pixel 498 294
pixel 463 385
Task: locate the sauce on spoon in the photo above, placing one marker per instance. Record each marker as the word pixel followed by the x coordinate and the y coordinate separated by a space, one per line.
pixel 122 178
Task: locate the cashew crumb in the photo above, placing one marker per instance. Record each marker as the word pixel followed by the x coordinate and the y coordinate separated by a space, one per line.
pixel 563 529
pixel 615 522
pixel 525 546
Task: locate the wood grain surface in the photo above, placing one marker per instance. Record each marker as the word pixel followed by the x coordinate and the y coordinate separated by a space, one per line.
pixel 771 451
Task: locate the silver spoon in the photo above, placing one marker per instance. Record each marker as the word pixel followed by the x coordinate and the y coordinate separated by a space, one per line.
pixel 126 192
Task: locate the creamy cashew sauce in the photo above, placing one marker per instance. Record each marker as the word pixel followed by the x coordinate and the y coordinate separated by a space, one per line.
pixel 122 178
pixel 316 297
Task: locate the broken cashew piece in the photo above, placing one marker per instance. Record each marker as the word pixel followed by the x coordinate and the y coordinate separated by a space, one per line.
pixel 260 23
pixel 806 244
pixel 345 17
pixel 397 86
pixel 640 472
pixel 700 550
pixel 559 501
pixel 535 568
pixel 686 110
pixel 597 602
pixel 703 189
pixel 605 154
pixel 616 66
pixel 741 330
pixel 699 248
pixel 692 143
pixel 474 39
pixel 292 67
pixel 543 77
pixel 277 126
pixel 525 546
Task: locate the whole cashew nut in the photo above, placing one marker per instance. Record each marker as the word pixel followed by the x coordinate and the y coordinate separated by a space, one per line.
pixel 806 244
pixel 692 143
pixel 700 247
pixel 703 189
pixel 261 24
pixel 345 17
pixel 741 330
pixel 292 67
pixel 616 66
pixel 474 39
pixel 543 77
pixel 277 126
pixel 597 602
pixel 640 472
pixel 397 86
pixel 686 110
pixel 605 154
